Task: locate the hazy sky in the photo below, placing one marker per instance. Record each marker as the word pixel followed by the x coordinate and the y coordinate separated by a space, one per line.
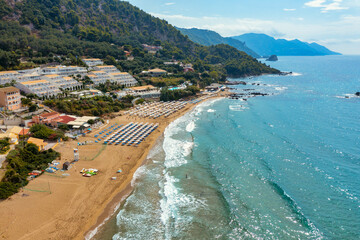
pixel 333 23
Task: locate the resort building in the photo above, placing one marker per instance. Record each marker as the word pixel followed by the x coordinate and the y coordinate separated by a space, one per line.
pixel 29 77
pixel 8 76
pixel 172 63
pixel 98 77
pixel 64 83
pixel 41 88
pixel 147 91
pixel 123 78
pixel 64 70
pixel 81 122
pixel 91 62
pixel 111 73
pixel 107 68
pixel 45 118
pixel 10 98
pixel 53 119
pixel 13 139
pixel 38 142
pixel 213 87
pixel 152 49
pixel 188 67
pixel 62 120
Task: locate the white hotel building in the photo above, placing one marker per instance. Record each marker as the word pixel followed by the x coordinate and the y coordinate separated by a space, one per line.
pixel 64 70
pixel 111 73
pixel 91 62
pixel 40 88
pixel 48 81
pixel 8 76
pixel 64 83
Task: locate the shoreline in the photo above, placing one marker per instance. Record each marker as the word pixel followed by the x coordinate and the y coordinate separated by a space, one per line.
pixel 117 200
pixel 55 206
pixel 121 196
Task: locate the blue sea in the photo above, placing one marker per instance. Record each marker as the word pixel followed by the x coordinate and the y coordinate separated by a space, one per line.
pixel 283 166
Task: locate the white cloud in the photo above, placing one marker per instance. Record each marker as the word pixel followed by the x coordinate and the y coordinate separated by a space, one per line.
pixel 326 5
pixel 169 3
pixel 222 25
pixel 315 3
pixel 350 19
pixel 289 9
pixel 178 17
pixel 335 40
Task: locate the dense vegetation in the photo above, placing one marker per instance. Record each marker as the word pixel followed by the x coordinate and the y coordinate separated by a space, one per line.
pixel 20 163
pixel 43 132
pixel 171 95
pixel 42 31
pixel 108 87
pixel 95 106
pixel 4 145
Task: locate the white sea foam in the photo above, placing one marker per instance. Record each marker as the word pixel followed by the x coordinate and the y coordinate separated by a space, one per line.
pixel 190 127
pixel 280 88
pixel 295 74
pixel 187 147
pixel 211 110
pixel 173 201
pixel 238 108
pixel 92 233
pixel 174 152
pixel 138 173
pixel 201 107
pixel 170 193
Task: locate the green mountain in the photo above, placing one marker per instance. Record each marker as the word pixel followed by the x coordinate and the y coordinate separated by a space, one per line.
pixel 208 38
pixel 266 45
pixel 35 32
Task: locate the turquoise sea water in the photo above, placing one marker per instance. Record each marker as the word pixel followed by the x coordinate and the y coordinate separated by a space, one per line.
pixel 285 166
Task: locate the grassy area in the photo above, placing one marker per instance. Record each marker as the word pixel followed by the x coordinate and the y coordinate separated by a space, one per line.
pixel 168 81
pixel 97 154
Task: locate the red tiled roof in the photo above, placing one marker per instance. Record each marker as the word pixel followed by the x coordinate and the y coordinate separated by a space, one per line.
pixel 46 115
pixel 64 119
pixel 24 131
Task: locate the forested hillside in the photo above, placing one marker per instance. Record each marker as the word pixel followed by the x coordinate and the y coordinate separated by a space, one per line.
pixel 35 32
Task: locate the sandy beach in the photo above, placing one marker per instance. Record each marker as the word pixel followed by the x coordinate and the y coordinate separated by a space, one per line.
pixel 55 206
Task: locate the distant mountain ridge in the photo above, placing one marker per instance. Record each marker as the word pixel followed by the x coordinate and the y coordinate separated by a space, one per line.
pixel 208 38
pixel 266 46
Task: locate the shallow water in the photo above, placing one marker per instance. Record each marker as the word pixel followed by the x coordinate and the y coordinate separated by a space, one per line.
pixel 284 166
